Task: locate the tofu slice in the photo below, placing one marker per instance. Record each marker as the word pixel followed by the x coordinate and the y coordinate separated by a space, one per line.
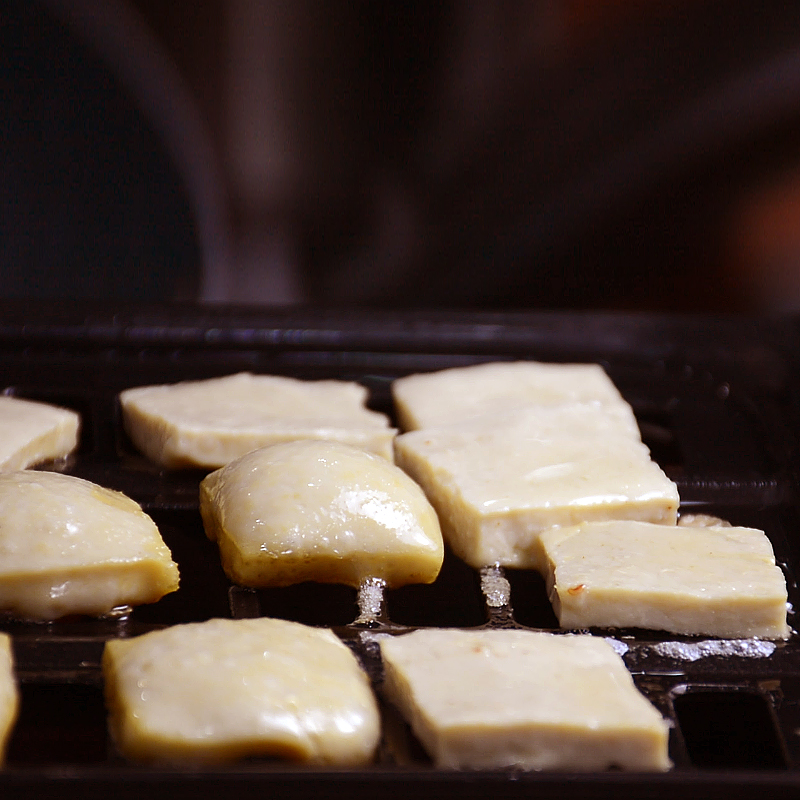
pixel 9 694
pixel 320 511
pixel 428 400
pixel 33 432
pixel 68 546
pixel 492 699
pixel 498 481
pixel 715 581
pixel 208 423
pixel 223 690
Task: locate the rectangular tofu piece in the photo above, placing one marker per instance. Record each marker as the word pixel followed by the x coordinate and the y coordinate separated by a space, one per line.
pixel 208 423
pixel 498 481
pixel 9 694
pixel 222 690
pixel 715 581
pixel 33 432
pixel 428 400
pixel 494 699
pixel 68 546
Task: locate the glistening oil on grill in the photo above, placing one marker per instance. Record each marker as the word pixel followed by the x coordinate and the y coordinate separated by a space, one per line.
pixel 717 403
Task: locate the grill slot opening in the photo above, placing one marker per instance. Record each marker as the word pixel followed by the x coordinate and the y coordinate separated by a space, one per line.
pixel 453 600
pixel 59 723
pixel 529 599
pixel 729 729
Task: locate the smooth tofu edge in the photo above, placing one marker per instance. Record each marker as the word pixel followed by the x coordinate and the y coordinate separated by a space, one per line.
pixel 165 437
pixel 94 590
pixel 511 538
pixel 56 434
pixel 720 608
pixel 496 384
pixel 179 447
pixel 9 694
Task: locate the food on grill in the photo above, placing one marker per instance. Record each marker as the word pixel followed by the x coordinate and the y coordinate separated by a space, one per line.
pixel 208 423
pixel 508 698
pixel 68 546
pixel 32 432
pixel 224 689
pixel 427 400
pixel 9 694
pixel 320 511
pixel 717 581
pixel 498 481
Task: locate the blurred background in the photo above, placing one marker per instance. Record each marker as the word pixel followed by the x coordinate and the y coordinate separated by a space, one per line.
pixel 613 154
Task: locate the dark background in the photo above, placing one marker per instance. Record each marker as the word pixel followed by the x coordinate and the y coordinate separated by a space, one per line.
pixel 617 154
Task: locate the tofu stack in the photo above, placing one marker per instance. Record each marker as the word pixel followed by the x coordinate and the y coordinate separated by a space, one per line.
pixel 505 451
pixel 541 466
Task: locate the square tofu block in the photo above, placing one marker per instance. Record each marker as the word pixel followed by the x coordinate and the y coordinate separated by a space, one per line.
pixel 320 511
pixel 427 400
pixel 498 481
pixel 68 546
pixel 9 694
pixel 715 581
pixel 31 432
pixel 224 689
pixel 509 698
pixel 210 422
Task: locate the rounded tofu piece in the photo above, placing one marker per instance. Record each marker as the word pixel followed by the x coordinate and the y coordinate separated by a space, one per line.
pixel 32 433
pixel 320 511
pixel 208 423
pixel 498 481
pixel 68 546
pixel 9 694
pixel 493 699
pixel 222 690
pixel 428 400
pixel 716 581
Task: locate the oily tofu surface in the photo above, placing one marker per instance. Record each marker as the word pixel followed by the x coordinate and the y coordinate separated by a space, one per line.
pixel 33 432
pixel 9 694
pixel 320 511
pixel 428 400
pixel 716 581
pixel 498 481
pixel 68 546
pixel 223 690
pixel 208 423
pixel 509 698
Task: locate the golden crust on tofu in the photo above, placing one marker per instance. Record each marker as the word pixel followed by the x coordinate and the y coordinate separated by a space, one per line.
pixel 68 546
pixel 223 690
pixel 320 511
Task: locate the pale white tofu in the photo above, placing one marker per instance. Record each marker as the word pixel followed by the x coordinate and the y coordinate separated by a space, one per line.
pixel 428 400
pixel 9 694
pixel 320 511
pixel 498 481
pixel 68 546
pixel 33 432
pixel 222 690
pixel 715 581
pixel 493 699
pixel 208 423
